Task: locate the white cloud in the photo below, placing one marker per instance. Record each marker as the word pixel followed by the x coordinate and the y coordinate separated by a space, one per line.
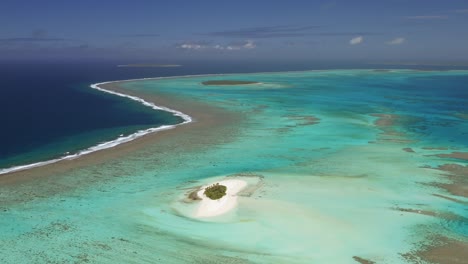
pixel 426 17
pixel 191 46
pixel 233 47
pixel 356 40
pixel 396 41
pixel 249 44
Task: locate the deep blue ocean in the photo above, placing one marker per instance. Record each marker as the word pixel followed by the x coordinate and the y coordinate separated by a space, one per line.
pixel 47 109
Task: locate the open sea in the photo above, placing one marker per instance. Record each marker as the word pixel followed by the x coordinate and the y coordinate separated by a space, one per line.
pixel 49 111
pixel 344 166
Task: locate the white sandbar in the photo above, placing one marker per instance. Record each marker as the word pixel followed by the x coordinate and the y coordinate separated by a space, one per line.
pixel 210 208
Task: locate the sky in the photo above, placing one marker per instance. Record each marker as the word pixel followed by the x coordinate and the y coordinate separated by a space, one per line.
pixel 371 31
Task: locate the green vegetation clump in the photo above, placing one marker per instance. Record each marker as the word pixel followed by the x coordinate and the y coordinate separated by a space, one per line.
pixel 215 191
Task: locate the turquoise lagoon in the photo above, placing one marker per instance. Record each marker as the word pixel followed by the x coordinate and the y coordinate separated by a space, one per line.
pixel 341 164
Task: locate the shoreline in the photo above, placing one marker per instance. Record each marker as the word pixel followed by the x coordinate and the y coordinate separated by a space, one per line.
pixel 110 143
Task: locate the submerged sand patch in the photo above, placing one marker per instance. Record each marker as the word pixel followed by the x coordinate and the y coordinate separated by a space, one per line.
pixel 228 82
pixel 455 155
pixel 384 120
pixel 363 260
pixel 410 150
pixel 434 148
pixel 387 123
pixel 304 120
pixel 462 115
pixel 449 198
pixel 443 250
pixel 458 175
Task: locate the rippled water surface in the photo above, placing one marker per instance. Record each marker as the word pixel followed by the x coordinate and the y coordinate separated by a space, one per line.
pixel 343 165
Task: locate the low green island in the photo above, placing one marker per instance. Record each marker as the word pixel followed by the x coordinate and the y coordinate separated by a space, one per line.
pixel 215 191
pixel 228 82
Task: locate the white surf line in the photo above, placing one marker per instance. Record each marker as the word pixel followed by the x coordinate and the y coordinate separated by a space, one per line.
pixel 111 143
pixel 143 132
pixel 140 133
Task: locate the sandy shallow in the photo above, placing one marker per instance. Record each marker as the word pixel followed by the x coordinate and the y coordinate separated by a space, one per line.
pixel 210 208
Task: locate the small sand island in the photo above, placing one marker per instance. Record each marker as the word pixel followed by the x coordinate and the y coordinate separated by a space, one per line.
pixel 228 82
pixel 219 198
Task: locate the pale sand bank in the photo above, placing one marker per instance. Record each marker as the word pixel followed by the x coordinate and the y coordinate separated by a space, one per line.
pixel 210 208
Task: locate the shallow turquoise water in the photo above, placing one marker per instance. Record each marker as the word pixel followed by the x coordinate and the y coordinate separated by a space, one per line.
pixel 326 189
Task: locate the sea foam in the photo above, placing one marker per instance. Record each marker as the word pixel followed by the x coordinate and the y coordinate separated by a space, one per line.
pixel 112 143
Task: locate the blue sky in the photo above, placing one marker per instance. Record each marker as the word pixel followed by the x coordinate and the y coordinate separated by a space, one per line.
pixel 407 31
